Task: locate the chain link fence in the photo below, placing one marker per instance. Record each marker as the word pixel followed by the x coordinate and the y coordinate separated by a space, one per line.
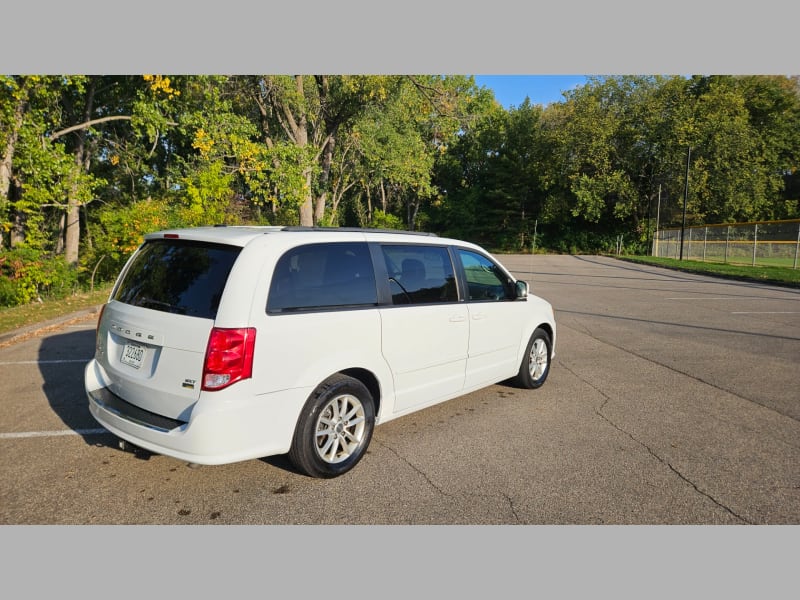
pixel 765 243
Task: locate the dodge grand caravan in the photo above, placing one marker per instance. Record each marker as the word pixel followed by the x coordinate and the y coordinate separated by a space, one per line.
pixel 222 344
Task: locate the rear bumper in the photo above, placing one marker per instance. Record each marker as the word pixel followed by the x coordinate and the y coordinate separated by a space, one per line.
pixel 111 403
pixel 222 428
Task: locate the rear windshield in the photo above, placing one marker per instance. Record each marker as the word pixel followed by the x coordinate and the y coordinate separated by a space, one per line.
pixel 178 276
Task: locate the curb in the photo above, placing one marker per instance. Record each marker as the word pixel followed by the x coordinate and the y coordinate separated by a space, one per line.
pixel 17 335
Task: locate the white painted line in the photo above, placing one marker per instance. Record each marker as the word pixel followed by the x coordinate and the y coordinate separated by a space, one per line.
pixel 704 298
pixel 30 434
pixel 45 362
pixel 767 312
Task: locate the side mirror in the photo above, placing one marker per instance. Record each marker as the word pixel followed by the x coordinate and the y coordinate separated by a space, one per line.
pixel 522 289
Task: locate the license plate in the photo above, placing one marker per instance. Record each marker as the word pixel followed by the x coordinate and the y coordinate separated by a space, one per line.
pixel 132 355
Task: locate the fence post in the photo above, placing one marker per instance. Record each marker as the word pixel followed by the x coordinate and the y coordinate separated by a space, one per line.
pixel 689 245
pixel 797 247
pixel 727 241
pixel 705 241
pixel 755 242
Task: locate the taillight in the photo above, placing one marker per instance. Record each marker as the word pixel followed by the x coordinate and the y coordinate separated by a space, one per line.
pixel 229 357
pixel 97 328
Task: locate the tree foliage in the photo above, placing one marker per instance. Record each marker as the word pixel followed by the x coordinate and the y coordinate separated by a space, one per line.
pixel 613 155
pixel 88 164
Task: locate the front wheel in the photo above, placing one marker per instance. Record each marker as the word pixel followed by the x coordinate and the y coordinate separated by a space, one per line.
pixel 334 429
pixel 536 362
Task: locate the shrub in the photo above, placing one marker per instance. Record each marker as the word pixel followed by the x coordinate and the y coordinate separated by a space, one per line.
pixel 382 220
pixel 27 274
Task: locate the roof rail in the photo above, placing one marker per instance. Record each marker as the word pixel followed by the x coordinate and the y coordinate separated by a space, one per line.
pixel 355 229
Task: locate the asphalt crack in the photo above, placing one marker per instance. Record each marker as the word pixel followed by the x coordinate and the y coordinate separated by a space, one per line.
pixel 438 489
pixel 414 468
pixel 599 412
pixel 511 507
pixel 698 379
pixel 684 373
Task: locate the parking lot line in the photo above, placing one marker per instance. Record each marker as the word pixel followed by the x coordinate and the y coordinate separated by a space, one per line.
pixel 707 298
pixel 44 362
pixel 766 312
pixel 31 434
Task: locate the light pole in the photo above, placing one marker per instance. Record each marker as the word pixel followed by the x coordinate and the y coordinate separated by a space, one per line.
pixel 685 196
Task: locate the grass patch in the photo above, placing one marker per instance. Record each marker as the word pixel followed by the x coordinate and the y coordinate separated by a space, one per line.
pixel 763 274
pixel 38 312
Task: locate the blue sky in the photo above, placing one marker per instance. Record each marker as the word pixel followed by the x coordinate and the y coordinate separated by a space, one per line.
pixel 511 90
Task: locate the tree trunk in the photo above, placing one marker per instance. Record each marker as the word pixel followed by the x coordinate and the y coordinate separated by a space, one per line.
pixel 73 234
pixel 61 226
pixel 307 207
pixel 299 131
pixel 7 161
pixel 73 225
pixel 324 178
pixel 8 155
pixel 413 209
pixel 17 234
pixel 327 151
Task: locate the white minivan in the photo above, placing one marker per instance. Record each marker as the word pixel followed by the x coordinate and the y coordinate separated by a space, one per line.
pixel 222 344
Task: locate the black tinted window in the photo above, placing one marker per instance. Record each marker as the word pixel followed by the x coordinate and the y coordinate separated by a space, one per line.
pixel 178 276
pixel 420 274
pixel 323 276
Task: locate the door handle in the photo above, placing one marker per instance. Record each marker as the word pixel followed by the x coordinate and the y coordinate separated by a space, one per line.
pixel 458 319
pixel 479 316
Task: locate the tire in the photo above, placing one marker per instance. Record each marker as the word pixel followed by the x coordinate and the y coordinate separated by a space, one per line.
pixel 334 428
pixel 535 364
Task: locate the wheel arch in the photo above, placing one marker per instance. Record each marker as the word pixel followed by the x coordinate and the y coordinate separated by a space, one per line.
pixel 370 381
pixel 549 330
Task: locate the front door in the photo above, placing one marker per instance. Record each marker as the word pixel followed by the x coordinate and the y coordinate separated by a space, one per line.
pixel 495 317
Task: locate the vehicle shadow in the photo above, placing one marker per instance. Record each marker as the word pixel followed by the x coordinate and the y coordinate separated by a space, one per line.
pixel 282 462
pixel 62 358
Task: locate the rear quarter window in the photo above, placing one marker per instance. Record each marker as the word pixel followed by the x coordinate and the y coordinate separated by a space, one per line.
pixel 323 276
pixel 178 276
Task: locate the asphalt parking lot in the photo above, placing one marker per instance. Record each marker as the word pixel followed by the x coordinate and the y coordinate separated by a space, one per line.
pixel 673 399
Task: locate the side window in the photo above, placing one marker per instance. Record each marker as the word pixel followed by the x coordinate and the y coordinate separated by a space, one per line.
pixel 319 276
pixel 420 274
pixel 485 280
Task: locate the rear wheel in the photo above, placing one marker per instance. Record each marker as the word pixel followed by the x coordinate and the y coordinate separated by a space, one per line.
pixel 334 429
pixel 535 364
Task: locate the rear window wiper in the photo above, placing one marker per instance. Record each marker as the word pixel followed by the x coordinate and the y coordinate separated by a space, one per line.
pixel 158 304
